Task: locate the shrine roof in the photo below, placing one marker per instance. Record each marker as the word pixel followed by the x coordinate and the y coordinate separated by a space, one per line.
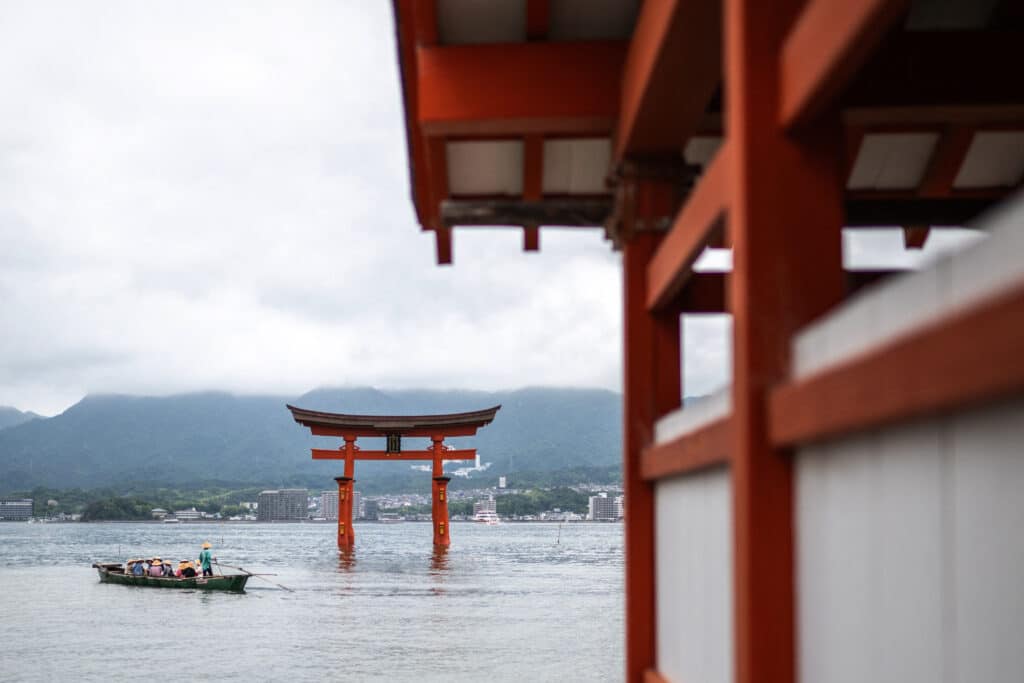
pixel 392 424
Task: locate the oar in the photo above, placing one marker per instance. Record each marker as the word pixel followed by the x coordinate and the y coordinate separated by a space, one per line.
pixel 258 576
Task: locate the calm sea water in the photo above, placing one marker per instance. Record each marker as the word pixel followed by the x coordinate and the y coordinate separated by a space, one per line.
pixel 508 602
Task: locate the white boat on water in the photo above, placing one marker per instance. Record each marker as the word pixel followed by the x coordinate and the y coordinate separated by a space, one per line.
pixel 172 521
pixel 487 517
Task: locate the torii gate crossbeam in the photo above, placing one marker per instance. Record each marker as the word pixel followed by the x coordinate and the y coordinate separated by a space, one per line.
pixel 393 427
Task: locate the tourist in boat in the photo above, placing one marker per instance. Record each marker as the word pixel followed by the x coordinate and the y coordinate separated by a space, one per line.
pixel 187 569
pixel 156 568
pixel 138 569
pixel 168 569
pixel 204 559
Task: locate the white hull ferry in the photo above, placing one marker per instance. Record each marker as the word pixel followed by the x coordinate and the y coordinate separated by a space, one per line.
pixel 487 517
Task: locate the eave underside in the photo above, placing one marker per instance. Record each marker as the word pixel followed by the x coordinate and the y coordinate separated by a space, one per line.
pixel 940 95
pixel 382 425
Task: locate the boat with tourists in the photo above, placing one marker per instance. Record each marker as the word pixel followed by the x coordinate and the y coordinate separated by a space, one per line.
pixel 114 572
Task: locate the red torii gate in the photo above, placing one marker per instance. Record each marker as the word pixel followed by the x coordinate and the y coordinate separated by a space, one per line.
pixel 393 427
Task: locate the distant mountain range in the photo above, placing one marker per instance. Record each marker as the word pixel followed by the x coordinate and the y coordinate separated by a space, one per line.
pixel 114 440
pixel 10 417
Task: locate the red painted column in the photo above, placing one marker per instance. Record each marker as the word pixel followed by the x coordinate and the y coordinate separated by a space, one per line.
pixel 442 528
pixel 439 497
pixel 346 532
pixel 651 388
pixel 785 220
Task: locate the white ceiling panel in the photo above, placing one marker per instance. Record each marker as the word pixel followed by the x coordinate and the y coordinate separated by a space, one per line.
pixel 994 159
pixel 484 168
pixel 470 22
pixel 892 161
pixel 700 150
pixel 576 166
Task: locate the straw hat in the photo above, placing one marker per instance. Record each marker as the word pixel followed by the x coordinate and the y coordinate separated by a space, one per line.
pixel 207 545
pixel 156 562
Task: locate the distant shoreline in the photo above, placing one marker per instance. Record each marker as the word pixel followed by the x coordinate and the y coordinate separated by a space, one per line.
pixel 201 522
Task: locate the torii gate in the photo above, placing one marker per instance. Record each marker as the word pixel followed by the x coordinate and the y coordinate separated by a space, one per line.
pixel 393 427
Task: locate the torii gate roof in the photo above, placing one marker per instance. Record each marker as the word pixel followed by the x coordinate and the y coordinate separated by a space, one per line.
pixel 465 424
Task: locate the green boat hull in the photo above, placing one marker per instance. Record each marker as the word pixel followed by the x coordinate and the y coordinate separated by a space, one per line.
pixel 230 582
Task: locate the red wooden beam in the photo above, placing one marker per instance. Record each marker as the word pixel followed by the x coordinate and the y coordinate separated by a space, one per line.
pixel 915 236
pixel 705 447
pixel 519 89
pixel 533 184
pixel 671 73
pixel 967 358
pixel 946 161
pixel 437 180
pixel 353 433
pixel 785 221
pixel 425 20
pixel 537 19
pixel 412 18
pixel 699 216
pixel 458 454
pixel 651 388
pixel 828 42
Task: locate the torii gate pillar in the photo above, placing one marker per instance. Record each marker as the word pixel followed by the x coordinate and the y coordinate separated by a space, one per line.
pixel 439 499
pixel 439 511
pixel 346 532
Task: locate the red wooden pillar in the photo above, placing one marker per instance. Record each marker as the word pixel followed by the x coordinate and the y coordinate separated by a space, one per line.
pixel 439 497
pixel 651 388
pixel 442 527
pixel 785 219
pixel 346 532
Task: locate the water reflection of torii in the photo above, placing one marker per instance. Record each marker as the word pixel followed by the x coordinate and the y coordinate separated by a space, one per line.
pixel 393 427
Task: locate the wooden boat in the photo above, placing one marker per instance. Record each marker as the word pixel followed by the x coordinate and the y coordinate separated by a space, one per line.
pixel 114 573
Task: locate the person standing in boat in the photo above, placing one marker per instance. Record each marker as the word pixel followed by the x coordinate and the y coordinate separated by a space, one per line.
pixel 205 558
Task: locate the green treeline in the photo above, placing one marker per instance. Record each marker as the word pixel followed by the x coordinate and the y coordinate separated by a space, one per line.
pixel 110 504
pixel 136 504
pixel 116 508
pixel 539 500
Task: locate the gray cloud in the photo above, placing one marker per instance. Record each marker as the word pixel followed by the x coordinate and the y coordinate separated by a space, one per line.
pixel 215 195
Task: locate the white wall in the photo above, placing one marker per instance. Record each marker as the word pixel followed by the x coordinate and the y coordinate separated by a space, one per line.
pixel 693 527
pixel 910 552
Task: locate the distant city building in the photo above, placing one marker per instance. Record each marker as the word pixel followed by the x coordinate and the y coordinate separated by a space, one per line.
pixel 601 508
pixel 619 507
pixel 357 501
pixel 187 515
pixel 158 513
pixel 329 505
pixel 283 505
pixel 501 482
pixel 15 509
pixel 371 510
pixel 248 505
pixel 489 505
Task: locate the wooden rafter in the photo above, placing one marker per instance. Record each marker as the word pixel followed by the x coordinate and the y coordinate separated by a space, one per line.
pixel 699 216
pixel 518 89
pixel 704 447
pixel 672 71
pixel 827 43
pixel 533 179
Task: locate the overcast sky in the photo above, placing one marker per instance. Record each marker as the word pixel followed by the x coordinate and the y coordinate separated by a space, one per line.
pixel 200 195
